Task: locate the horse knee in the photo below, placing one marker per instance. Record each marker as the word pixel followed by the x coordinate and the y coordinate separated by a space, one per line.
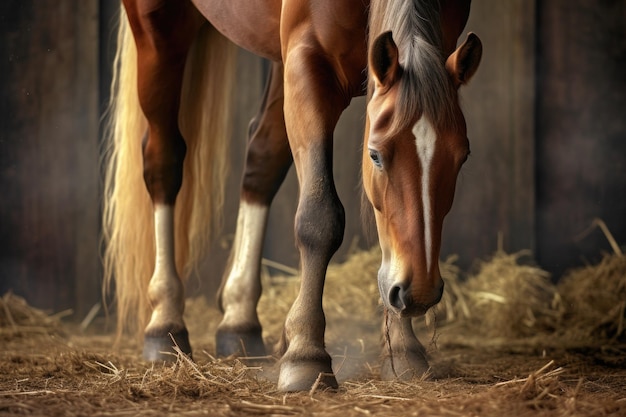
pixel 320 224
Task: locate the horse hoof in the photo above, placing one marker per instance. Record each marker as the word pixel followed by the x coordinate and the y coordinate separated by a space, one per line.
pixel 304 375
pixel 162 348
pixel 405 366
pixel 241 344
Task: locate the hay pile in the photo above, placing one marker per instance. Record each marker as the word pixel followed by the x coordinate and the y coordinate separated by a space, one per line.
pixel 87 380
pixel 83 377
pixel 594 301
pixel 17 318
pixel 351 297
pixel 508 298
pixel 512 299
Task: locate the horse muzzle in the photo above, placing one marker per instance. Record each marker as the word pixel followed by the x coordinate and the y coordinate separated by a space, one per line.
pixel 405 299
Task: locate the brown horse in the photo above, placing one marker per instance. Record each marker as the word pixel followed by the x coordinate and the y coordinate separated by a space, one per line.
pixel 324 53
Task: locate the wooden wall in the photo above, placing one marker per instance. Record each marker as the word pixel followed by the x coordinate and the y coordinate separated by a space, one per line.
pixel 495 189
pixel 581 129
pixel 546 122
pixel 48 152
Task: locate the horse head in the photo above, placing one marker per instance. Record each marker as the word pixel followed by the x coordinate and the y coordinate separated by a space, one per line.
pixel 411 159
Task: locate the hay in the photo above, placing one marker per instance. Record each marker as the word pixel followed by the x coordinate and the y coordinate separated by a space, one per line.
pixel 47 370
pixel 17 318
pixel 508 297
pixel 351 299
pixel 511 301
pixel 78 383
pixel 41 374
pixel 595 296
pixel 351 292
pixel 594 299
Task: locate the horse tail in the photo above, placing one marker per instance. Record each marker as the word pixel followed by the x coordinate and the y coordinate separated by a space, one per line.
pixel 128 224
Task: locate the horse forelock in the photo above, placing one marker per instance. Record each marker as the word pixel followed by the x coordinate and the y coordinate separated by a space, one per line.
pixel 425 87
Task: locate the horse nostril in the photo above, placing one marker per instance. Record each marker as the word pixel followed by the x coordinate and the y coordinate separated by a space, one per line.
pixel 397 297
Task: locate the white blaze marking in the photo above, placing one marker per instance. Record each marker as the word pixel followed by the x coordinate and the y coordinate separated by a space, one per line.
pixel 425 139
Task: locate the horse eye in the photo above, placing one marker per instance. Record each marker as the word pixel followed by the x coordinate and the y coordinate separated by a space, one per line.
pixel 375 156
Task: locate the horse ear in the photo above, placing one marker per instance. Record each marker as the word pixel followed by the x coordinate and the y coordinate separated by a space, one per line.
pixel 384 61
pixel 463 62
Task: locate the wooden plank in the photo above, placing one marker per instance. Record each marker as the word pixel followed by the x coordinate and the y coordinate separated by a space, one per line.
pixel 581 129
pixel 49 129
pixel 495 189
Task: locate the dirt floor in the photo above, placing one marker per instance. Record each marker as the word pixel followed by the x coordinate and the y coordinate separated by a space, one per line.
pixel 49 367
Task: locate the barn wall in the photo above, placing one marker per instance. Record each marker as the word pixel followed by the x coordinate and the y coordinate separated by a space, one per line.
pixel 496 187
pixel 546 123
pixel 581 129
pixel 48 151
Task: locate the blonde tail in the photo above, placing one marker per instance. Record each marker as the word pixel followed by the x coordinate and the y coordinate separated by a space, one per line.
pixel 127 219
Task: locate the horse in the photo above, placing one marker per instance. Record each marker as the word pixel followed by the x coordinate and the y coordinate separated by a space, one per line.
pixel 166 150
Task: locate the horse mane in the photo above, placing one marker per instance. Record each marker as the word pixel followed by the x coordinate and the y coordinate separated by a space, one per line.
pixel 425 86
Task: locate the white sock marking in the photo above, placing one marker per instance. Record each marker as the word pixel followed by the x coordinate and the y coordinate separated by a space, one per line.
pixel 242 289
pixel 164 239
pixel 165 289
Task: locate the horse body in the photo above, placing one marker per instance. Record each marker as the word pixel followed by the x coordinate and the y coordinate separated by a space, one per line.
pixel 412 154
pixel 253 25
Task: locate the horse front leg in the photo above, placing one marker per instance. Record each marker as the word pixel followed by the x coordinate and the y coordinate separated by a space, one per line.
pixel 312 108
pixel 268 160
pixel 161 55
pixel 403 356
